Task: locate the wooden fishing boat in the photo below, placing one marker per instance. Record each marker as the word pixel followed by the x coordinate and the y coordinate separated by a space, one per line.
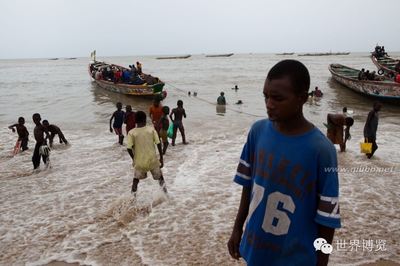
pixel 152 87
pixel 386 65
pixel 219 55
pixel 174 57
pixel 286 54
pixel 385 90
pixel 324 54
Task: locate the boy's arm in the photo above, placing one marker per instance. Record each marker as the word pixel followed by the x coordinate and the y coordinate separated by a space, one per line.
pixel 130 153
pixel 370 114
pixel 170 115
pixel 12 127
pixel 111 130
pixel 161 156
pixel 327 234
pixel 130 143
pixel 47 133
pixel 184 113
pixel 236 236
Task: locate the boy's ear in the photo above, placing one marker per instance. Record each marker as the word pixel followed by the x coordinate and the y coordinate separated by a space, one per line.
pixel 304 97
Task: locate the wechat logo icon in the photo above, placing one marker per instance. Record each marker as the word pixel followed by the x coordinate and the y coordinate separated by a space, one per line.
pixel 322 244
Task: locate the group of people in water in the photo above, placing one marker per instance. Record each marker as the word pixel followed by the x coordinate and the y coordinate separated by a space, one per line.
pixel 42 132
pixel 142 139
pixel 338 128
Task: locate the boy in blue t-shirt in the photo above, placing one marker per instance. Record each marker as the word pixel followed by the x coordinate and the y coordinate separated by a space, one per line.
pixel 289 197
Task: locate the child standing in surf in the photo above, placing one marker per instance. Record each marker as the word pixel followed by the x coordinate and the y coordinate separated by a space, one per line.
pixel 141 143
pixel 177 114
pixel 22 133
pixel 41 143
pixel 119 117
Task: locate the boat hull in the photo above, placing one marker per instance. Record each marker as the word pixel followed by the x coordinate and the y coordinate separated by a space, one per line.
pixel 386 64
pixel 324 54
pixel 173 57
pixel 384 91
pixel 219 55
pixel 136 90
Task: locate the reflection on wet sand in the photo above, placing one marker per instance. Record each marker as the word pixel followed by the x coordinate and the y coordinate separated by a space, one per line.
pixel 220 109
pixel 102 96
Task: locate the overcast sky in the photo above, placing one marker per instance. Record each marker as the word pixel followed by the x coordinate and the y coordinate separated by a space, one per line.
pixel 73 28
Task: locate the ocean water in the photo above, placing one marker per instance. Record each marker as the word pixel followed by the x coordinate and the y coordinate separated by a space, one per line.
pixel 81 209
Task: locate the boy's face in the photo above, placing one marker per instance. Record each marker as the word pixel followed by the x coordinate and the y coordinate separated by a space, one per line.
pixel 36 119
pixel 281 101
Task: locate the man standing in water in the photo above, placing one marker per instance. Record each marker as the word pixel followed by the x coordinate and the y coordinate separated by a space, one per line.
pixel 40 141
pixel 288 198
pixel 221 99
pixel 140 144
pixel 371 126
pixel 336 123
pixel 179 113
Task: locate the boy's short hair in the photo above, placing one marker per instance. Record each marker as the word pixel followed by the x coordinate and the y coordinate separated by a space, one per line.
pixel 140 117
pixel 45 122
pixel 165 110
pixel 349 121
pixel 179 102
pixel 295 70
pixel 21 119
pixel 36 116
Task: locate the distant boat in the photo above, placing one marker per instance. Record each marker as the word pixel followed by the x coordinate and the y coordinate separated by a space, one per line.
pixel 71 58
pixel 286 54
pixel 219 55
pixel 53 58
pixel 383 90
pixel 174 57
pixel 324 54
pixel 385 64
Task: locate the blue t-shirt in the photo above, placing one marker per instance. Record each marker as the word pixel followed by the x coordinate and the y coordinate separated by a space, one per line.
pixel 119 117
pixel 293 191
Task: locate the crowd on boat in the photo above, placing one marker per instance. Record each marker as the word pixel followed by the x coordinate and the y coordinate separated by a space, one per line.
pixel 379 52
pixel 366 75
pixel 117 74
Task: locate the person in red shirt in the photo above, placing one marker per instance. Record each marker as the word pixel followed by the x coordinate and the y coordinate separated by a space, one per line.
pixel 130 118
pixel 156 113
pixel 397 78
pixel 117 75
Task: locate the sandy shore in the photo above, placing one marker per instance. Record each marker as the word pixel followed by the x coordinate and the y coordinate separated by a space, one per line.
pixel 382 263
pixel 377 263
